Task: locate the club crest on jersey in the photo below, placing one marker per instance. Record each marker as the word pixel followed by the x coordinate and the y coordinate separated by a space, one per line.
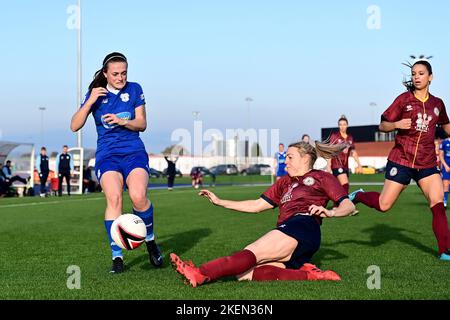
pixel 125 97
pixel 423 122
pixel 409 108
pixel 288 196
pixel 436 112
pixel 393 172
pixel 309 181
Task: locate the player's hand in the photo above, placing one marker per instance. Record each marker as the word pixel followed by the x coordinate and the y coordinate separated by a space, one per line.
pixel 210 196
pixel 404 124
pixel 111 118
pixel 320 211
pixel 96 93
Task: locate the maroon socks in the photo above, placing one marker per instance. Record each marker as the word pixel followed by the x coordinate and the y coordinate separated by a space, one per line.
pixel 269 273
pixel 229 266
pixel 440 227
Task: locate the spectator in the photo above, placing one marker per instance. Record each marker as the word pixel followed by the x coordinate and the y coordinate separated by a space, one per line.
pixel 7 172
pixel 171 171
pixel 197 177
pixel 43 170
pixel 64 169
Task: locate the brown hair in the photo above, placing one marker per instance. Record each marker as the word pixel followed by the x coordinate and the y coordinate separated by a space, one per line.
pixel 343 118
pixel 321 149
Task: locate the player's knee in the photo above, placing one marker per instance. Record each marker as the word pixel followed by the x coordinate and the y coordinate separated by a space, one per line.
pixel 139 199
pixel 385 206
pixel 114 200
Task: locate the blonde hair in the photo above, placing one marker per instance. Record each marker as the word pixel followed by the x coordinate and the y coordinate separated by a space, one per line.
pixel 321 149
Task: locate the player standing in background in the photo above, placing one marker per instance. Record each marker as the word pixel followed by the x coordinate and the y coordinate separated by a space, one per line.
pixel 339 165
pixel 444 156
pixel 284 252
pixel 118 109
pixel 280 158
pixel 415 114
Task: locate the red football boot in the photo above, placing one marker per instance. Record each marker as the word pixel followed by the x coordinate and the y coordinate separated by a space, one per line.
pixel 315 273
pixel 188 270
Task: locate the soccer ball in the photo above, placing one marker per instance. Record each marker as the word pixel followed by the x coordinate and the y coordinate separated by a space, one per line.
pixel 128 231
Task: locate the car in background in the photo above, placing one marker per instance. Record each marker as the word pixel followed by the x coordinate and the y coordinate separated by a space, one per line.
pixel 177 173
pixel 153 173
pixel 224 169
pixel 261 169
pixel 381 170
pixel 368 170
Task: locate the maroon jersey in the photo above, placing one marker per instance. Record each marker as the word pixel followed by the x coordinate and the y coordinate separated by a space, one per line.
pixel 414 148
pixel 341 161
pixel 296 194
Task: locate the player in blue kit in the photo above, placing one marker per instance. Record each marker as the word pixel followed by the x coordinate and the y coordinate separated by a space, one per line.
pixel 444 156
pixel 280 158
pixel 118 109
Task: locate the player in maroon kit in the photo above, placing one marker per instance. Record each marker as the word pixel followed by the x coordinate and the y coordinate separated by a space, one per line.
pixel 339 164
pixel 284 252
pixel 415 114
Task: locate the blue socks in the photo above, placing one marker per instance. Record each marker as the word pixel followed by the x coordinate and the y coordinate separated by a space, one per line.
pixel 147 217
pixel 116 250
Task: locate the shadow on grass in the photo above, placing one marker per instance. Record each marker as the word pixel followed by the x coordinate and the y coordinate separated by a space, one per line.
pixel 178 242
pixel 381 234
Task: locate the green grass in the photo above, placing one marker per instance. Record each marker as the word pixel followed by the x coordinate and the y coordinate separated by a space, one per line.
pixel 42 237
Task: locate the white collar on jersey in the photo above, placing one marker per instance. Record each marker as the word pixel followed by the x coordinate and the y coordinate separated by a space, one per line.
pixel 111 89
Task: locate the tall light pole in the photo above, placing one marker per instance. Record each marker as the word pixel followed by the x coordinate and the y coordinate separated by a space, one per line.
pixel 79 97
pixel 373 105
pixel 42 109
pixel 248 100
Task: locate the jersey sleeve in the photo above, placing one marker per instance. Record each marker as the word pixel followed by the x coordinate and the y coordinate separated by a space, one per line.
pixel 274 193
pixel 140 98
pixel 443 117
pixel 332 188
pixel 394 112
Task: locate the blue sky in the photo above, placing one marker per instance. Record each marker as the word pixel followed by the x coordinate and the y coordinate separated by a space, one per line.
pixel 304 63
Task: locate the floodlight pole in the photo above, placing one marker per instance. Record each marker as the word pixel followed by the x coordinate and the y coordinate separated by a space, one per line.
pixel 79 133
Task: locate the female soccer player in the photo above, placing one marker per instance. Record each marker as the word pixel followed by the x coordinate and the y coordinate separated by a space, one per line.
pixel 339 165
pixel 118 108
pixel 284 252
pixel 415 115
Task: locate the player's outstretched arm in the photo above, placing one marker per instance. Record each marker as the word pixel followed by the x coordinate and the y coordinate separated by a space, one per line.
pixel 346 207
pixel 249 206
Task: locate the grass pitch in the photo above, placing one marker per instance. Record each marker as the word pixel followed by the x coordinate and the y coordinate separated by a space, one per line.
pixel 41 238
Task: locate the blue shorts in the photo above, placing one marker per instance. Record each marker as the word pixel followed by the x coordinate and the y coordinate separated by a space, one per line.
pixel 281 173
pixel 403 175
pixel 306 230
pixel 445 174
pixel 122 164
pixel 339 171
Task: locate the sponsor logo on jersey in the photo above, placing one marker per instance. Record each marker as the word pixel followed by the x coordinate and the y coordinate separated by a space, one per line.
pixel 105 100
pixel 288 196
pixel 423 121
pixel 409 108
pixel 142 96
pixel 125 97
pixel 121 115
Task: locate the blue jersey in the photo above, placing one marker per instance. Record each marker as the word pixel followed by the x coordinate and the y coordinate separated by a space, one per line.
pixel 281 161
pixel 115 140
pixel 445 147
